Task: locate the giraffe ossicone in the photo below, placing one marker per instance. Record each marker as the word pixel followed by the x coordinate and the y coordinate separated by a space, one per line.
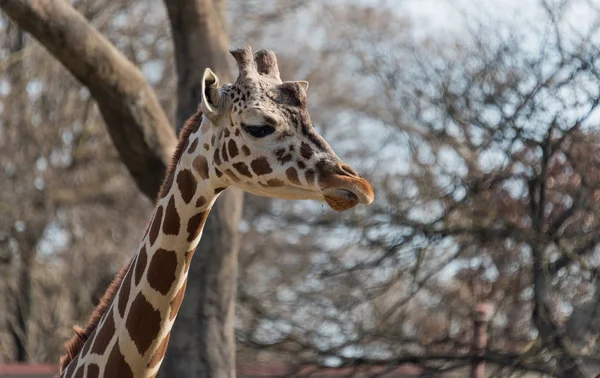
pixel 254 134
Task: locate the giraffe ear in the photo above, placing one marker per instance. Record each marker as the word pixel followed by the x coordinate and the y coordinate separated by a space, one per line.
pixel 210 95
pixel 303 84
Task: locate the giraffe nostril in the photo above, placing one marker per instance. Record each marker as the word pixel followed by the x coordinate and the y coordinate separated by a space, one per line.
pixel 345 168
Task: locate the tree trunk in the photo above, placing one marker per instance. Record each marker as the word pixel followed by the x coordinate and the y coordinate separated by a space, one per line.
pixel 202 341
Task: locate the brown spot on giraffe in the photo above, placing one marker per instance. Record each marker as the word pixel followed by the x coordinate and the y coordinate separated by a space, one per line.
pixel 282 156
pixel 218 173
pixel 187 185
pixel 124 292
pixel 116 366
pixel 242 168
pixel 301 164
pixel 105 334
pixel 201 201
pixel 193 146
pixel 176 301
pixel 274 183
pixel 161 271
pixel 216 157
pixel 159 353
pixel 143 324
pixel 79 372
pixel 201 166
pixel 292 175
pixel 70 368
pixel 306 151
pixel 155 228
pixel 233 150
pixel 140 266
pixel 261 166
pixel 212 140
pixel 219 190
pixel 195 225
pixel 93 371
pixel 224 153
pixel 172 221
pixel 227 133
pixel 88 345
pixel 246 150
pixel 206 146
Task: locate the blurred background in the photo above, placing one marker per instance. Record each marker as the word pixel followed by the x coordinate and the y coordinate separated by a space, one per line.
pixel 476 121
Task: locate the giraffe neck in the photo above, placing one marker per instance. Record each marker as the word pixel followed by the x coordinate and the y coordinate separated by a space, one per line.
pixel 132 336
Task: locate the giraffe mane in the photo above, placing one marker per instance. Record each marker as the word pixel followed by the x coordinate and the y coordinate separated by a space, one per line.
pixel 76 343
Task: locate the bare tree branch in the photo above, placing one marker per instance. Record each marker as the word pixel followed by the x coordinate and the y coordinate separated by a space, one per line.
pixel 135 120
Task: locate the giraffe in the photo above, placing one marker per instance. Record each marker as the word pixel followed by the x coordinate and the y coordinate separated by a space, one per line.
pixel 254 134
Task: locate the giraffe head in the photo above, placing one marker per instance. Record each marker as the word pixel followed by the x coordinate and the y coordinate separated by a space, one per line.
pixel 264 142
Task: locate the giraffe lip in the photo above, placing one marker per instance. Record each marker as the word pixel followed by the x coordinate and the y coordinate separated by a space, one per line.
pixel 340 199
pixel 342 192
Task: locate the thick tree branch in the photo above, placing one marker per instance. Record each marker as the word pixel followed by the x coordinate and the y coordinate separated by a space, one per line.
pixel 135 120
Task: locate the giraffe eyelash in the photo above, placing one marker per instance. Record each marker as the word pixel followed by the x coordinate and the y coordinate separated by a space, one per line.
pixel 258 131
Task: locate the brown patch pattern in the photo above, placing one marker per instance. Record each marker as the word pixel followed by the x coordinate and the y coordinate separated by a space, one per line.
pixel 116 366
pixel 233 150
pixel 140 266
pixel 124 292
pixel 261 166
pixel 242 168
pixel 216 157
pixel 219 190
pixel 201 201
pixel 75 345
pixel 224 150
pixel 79 372
pixel 187 185
pixel 105 334
pixel 172 221
pixel 292 175
pixel 93 371
pixel 282 156
pixel 161 272
pixel 143 324
pixel 195 224
pixel 156 225
pixel 193 146
pixel 274 182
pixel 246 150
pixel 306 151
pixel 201 166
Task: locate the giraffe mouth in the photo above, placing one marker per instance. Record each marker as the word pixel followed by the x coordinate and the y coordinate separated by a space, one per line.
pixel 340 199
pixel 343 192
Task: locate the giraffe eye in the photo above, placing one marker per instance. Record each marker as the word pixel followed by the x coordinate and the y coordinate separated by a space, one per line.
pixel 259 131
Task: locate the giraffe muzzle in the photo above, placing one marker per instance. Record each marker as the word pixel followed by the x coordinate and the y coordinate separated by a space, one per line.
pixel 344 189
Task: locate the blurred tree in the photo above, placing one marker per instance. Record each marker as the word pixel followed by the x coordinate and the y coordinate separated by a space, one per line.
pixel 485 154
